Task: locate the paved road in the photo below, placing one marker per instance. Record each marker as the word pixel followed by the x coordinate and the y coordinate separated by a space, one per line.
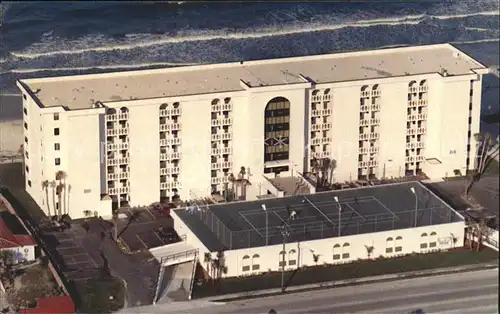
pixel 473 292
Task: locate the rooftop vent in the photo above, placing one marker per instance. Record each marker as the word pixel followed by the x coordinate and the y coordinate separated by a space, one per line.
pixel 444 72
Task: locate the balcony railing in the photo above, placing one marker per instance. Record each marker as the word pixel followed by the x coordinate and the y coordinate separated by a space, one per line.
pixel 375 107
pixel 170 127
pixel 223 107
pixel 413 89
pixel 118 146
pixel 422 102
pixel 412 103
pixel 170 156
pixel 169 171
pixel 117 161
pixel 415 131
pixel 117 131
pixel 170 185
pixel 320 154
pixel 364 108
pixel 111 117
pixel 368 150
pixel 221 136
pixel 376 93
pixel 118 176
pixel 120 190
pixel 316 98
pixel 327 97
pixel 170 112
pixel 321 112
pixel 219 180
pixel 417 117
pixel 222 165
pixel 320 127
pixel 418 89
pixel 222 151
pixel 366 164
pixel 365 94
pixel 374 136
pixel 219 122
pixel 418 158
pixel 320 140
pixel 415 145
pixel 423 89
pixel 170 141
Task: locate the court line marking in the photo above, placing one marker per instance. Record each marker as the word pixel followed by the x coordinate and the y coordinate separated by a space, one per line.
pixel 385 207
pixel 356 212
pixel 159 238
pixel 251 225
pixel 75 263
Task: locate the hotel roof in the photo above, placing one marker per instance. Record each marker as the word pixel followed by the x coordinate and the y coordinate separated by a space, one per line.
pixel 82 91
pixel 363 210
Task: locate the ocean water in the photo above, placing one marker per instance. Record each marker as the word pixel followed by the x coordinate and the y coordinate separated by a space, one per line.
pixel 50 38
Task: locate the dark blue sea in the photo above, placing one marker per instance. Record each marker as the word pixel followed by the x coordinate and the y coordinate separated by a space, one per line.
pixel 62 38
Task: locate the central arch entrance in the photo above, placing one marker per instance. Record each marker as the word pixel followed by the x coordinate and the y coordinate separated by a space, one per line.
pixel 276 135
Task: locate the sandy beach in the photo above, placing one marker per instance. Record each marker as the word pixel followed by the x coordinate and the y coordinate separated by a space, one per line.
pixel 11 126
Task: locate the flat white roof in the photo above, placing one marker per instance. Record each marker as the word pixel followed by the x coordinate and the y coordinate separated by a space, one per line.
pixel 81 91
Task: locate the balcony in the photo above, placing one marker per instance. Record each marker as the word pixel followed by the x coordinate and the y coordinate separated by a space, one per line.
pixel 170 156
pixel 365 94
pixel 321 140
pixel 418 158
pixel 170 112
pixel 364 108
pixel 374 136
pixel 364 136
pixel 364 122
pixel 415 145
pixel 375 107
pixel 222 165
pixel 123 116
pixel 221 137
pixel 223 107
pixel 321 112
pixel 321 127
pixel 170 127
pixel 413 90
pixel 412 103
pixel 422 102
pixel 117 131
pixel 327 97
pixel 417 117
pixel 111 117
pixel 118 176
pixel 376 93
pixel 170 141
pixel 316 98
pixel 121 190
pixel 119 146
pixel 170 185
pixel 320 155
pixel 369 163
pixel 117 161
pixel 374 121
pixel 220 122
pixel 219 180
pixel 169 171
pixel 222 151
pixel 416 131
pixel 423 89
pixel 368 150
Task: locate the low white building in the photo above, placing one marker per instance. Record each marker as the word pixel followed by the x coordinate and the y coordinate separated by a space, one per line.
pixel 143 136
pixel 249 238
pixel 21 245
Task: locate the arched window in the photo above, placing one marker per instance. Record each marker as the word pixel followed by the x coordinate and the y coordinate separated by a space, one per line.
pixel 337 251
pixel 375 87
pixel 423 82
pixel 292 258
pixel 327 91
pixel 389 245
pixel 282 259
pixel 412 84
pixel 364 88
pixel 163 106
pixel 227 100
pixel 245 263
pixel 176 105
pixel 215 101
pixel 111 111
pixel 398 245
pixel 423 241
pixel 277 130
pixel 255 262
pixel 123 110
pixel 345 251
pixel 433 240
pixel 315 92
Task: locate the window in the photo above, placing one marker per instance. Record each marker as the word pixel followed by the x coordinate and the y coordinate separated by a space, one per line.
pixel 86 191
pixel 29 183
pixel 56 131
pixel 25 111
pixel 255 262
pixel 345 248
pixel 336 252
pixel 399 244
pixel 292 258
pixel 57 161
pixel 24 96
pixel 25 139
pixel 245 263
pixel 57 146
pixel 389 245
pixel 25 125
pixel 56 116
pixel 423 246
pixel 27 169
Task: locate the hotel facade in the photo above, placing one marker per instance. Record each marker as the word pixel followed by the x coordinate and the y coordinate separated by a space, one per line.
pixel 144 136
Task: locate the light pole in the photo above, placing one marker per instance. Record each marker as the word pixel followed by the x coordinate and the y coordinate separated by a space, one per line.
pixel 267 223
pixel 412 189
pixel 284 234
pixel 340 214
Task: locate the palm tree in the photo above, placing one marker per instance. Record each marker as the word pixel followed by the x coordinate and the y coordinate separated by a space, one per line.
pixel 45 186
pixel 61 178
pixel 53 185
pixel 325 167
pixel 59 191
pixel 68 191
pixel 20 151
pixel 232 179
pixel 316 167
pixel 207 259
pixel 332 166
pixel 242 182
pixel 369 250
pixel 484 141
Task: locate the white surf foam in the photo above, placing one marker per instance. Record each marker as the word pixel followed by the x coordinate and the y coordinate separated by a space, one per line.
pixel 51 45
pixel 102 67
pixel 478 41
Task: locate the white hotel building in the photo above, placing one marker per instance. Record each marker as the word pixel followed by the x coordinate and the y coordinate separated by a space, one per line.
pixel 142 135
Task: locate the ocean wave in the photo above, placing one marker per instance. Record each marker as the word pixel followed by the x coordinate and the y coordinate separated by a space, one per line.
pixel 51 46
pixel 478 41
pixel 103 67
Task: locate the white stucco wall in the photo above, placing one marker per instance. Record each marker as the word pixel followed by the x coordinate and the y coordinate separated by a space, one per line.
pixel 23 254
pixel 411 241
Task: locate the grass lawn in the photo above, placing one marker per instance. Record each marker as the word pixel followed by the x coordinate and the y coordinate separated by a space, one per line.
pixel 353 270
pixel 101 295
